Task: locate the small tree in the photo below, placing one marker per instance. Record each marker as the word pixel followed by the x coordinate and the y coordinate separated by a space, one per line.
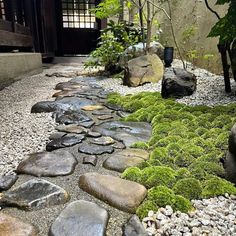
pixel 225 29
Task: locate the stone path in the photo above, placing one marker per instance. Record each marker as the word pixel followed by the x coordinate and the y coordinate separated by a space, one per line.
pixel 85 157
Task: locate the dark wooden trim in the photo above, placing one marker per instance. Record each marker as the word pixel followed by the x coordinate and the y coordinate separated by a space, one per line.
pixel 20 29
pixel 14 39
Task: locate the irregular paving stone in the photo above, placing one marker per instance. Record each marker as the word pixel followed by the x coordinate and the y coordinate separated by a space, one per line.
pixel 127 132
pixel 92 107
pixel 118 145
pixel 80 218
pixel 103 141
pixel 62 104
pixel 57 135
pixel 93 134
pixel 65 141
pixel 73 128
pixel 101 113
pixel 93 149
pixel 91 159
pixel 65 86
pixel 35 194
pixel 125 158
pixel 6 181
pixel 63 74
pixel 122 194
pixel 68 93
pixel 122 114
pixel 10 226
pixel 114 107
pixel 48 164
pixel 72 117
pixel 134 227
pixel 87 124
pixel 105 117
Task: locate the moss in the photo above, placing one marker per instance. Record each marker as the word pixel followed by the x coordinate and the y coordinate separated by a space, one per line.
pixel 157 175
pixel 221 120
pixel 216 186
pixel 182 173
pixel 159 156
pixel 132 173
pixel 183 159
pixel 193 150
pixel 145 207
pixel 141 145
pixel 212 133
pixel 167 140
pixel 182 204
pixel 213 156
pixel 189 188
pixel 222 141
pixel 200 131
pixel 200 169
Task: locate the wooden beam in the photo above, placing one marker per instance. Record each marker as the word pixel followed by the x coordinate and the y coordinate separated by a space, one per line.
pixel 20 29
pixel 15 40
pixel 5 25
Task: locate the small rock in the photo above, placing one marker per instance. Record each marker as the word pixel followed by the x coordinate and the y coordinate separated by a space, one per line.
pixel 91 159
pixel 105 117
pixel 94 149
pixel 6 181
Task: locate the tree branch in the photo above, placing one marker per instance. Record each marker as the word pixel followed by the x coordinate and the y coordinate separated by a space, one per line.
pixel 210 9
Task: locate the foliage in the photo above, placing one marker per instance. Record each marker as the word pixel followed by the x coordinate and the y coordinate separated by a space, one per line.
pixel 189 188
pixel 113 42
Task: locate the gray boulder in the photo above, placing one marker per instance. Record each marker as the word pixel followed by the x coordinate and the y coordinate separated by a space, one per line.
pixel 143 69
pixel 178 83
pixel 232 140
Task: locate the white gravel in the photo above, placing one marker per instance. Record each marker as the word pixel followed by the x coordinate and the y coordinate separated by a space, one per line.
pixel 211 217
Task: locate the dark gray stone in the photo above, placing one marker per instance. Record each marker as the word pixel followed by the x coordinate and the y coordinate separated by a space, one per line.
pixel 122 114
pixel 101 113
pixel 118 145
pixel 114 107
pixel 122 194
pixel 73 128
pixel 93 149
pixel 119 161
pixel 91 159
pixel 229 164
pixel 105 117
pixel 81 218
pixel 178 83
pixel 134 227
pixel 87 124
pixel 35 194
pixel 57 135
pixel 62 104
pixel 48 164
pixel 127 132
pixel 93 134
pixel 6 181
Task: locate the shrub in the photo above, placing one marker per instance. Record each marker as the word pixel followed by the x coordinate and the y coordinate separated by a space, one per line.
pixel 182 204
pixel 183 159
pixel 216 186
pixel 189 188
pixel 145 207
pixel 182 173
pixel 132 173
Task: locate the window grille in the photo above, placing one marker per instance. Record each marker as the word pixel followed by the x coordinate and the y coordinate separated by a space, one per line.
pixel 2 10
pixel 77 14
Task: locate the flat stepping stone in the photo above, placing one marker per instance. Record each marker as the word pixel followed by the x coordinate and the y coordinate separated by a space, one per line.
pixel 72 117
pixel 67 93
pixel 57 135
pixel 101 113
pixel 105 117
pixel 114 107
pixel 122 114
pixel 65 141
pixel 10 226
pixel 48 164
pixel 87 124
pixel 92 107
pixel 91 159
pixel 73 128
pixel 93 134
pixel 104 141
pixel 65 86
pixel 118 145
pixel 125 158
pixel 62 104
pixel 134 227
pixel 81 218
pixel 94 149
pixel 35 194
pixel 122 194
pixel 127 132
pixel 6 181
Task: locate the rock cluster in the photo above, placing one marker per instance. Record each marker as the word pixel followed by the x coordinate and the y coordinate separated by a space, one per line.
pixel 215 216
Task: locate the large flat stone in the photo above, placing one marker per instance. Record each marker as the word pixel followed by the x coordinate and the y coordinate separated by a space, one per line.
pixel 127 132
pixel 48 164
pixel 10 226
pixel 73 128
pixel 94 149
pixel 119 161
pixel 62 104
pixel 122 194
pixel 103 141
pixel 35 194
pixel 81 218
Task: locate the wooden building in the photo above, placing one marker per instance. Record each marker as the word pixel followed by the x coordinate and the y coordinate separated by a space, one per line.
pixel 51 27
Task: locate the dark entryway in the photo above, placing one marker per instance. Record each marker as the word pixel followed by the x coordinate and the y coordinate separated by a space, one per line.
pixel 78 28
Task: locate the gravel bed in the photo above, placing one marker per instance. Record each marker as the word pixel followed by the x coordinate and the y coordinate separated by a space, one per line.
pixel 210 88
pixel 212 217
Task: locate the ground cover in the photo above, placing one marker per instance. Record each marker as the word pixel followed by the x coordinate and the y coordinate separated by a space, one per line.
pixel 186 147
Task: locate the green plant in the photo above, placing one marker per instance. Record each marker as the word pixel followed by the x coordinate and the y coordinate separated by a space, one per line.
pixel 189 188
pixel 145 207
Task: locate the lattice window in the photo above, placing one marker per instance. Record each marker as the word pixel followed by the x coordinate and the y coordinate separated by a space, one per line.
pixel 77 14
pixel 2 10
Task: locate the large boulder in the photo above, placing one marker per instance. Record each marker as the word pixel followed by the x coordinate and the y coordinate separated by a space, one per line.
pixel 137 51
pixel 144 69
pixel 178 83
